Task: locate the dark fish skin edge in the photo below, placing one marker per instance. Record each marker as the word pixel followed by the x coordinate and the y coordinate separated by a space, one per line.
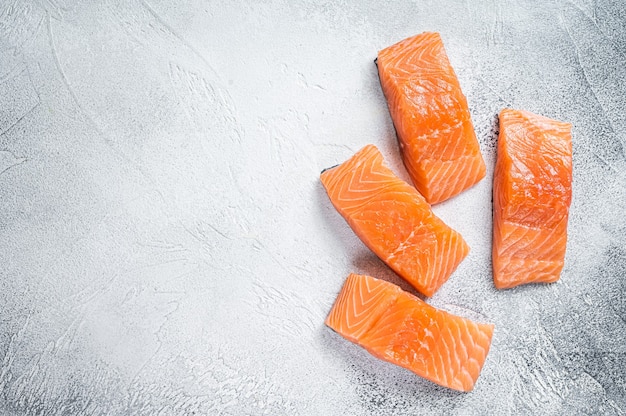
pixel 324 170
pixel 393 123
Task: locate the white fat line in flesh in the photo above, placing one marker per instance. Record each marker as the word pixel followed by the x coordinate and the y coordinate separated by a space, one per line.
pixel 402 246
pixel 451 349
pixel 506 244
pixel 459 331
pixel 373 301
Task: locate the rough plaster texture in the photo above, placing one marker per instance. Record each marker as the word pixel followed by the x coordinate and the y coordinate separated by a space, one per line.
pixel 166 247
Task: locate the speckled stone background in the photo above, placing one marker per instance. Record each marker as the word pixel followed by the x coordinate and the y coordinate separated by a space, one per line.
pixel 166 247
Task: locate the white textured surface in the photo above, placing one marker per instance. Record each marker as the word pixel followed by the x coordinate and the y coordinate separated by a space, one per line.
pixel 167 247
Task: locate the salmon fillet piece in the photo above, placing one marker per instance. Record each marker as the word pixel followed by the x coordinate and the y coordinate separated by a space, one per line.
pixel 400 328
pixel 431 117
pixel 532 193
pixel 394 220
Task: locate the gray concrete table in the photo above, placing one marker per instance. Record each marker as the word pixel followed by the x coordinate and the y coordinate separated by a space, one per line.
pixel 166 247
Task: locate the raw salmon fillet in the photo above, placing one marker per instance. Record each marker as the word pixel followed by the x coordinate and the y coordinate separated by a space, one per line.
pixel 431 117
pixel 394 220
pixel 398 327
pixel 532 192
